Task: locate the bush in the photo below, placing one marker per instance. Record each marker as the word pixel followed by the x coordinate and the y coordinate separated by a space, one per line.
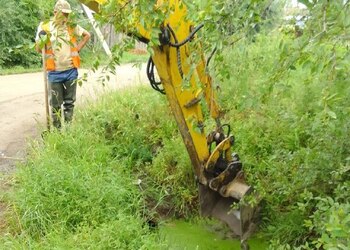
pixel 293 94
pixel 18 23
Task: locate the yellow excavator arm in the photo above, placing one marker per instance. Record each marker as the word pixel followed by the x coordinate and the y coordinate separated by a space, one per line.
pixel 219 172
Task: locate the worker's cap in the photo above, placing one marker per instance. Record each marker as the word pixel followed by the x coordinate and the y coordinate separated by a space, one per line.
pixel 63 6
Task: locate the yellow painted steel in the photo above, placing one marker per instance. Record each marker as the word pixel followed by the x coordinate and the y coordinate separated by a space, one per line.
pixel 93 5
pixel 183 93
pixel 223 147
pixel 180 93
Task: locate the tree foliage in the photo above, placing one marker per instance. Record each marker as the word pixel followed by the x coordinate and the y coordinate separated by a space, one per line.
pixel 17 27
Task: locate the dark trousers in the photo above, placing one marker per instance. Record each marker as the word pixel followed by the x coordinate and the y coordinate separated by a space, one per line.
pixel 62 93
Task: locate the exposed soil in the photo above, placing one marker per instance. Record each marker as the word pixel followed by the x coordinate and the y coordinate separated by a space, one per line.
pixel 138 51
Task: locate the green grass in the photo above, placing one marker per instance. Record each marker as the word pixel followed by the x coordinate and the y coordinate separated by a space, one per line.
pixel 74 194
pixel 292 130
pixel 19 70
pixel 130 57
pixel 88 59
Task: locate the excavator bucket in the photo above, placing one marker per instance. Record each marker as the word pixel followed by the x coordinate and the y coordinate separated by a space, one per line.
pixel 225 187
pixel 241 221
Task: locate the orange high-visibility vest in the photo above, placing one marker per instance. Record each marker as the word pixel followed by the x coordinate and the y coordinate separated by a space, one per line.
pixel 50 62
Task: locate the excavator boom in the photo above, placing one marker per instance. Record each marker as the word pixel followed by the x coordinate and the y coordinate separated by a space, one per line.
pixel 186 82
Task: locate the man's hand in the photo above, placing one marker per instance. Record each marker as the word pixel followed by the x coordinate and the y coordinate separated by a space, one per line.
pixel 39 44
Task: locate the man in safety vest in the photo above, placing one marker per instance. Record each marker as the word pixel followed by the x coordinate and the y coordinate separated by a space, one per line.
pixel 62 60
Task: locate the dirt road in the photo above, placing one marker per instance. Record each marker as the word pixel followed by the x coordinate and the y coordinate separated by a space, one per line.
pixel 22 106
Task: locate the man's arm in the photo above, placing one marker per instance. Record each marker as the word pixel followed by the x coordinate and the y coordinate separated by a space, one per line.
pixel 86 36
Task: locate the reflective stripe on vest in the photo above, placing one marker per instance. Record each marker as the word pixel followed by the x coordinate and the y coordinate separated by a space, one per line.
pixel 74 53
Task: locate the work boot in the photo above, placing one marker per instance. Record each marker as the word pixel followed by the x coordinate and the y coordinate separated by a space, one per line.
pixel 70 88
pixel 68 115
pixel 56 118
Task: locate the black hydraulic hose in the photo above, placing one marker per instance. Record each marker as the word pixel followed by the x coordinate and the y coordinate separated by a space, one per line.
pixel 178 54
pixel 177 45
pixel 187 39
pixel 150 64
pixel 150 75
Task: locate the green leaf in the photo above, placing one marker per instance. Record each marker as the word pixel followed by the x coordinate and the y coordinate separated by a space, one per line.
pixel 331 114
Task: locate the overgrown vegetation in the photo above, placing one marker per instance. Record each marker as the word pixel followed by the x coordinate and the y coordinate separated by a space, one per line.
pixel 293 93
pixel 286 97
pixel 298 155
pixel 17 31
pixel 106 195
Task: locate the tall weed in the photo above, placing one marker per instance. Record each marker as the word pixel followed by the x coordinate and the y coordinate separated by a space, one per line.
pixel 292 130
pixel 102 182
